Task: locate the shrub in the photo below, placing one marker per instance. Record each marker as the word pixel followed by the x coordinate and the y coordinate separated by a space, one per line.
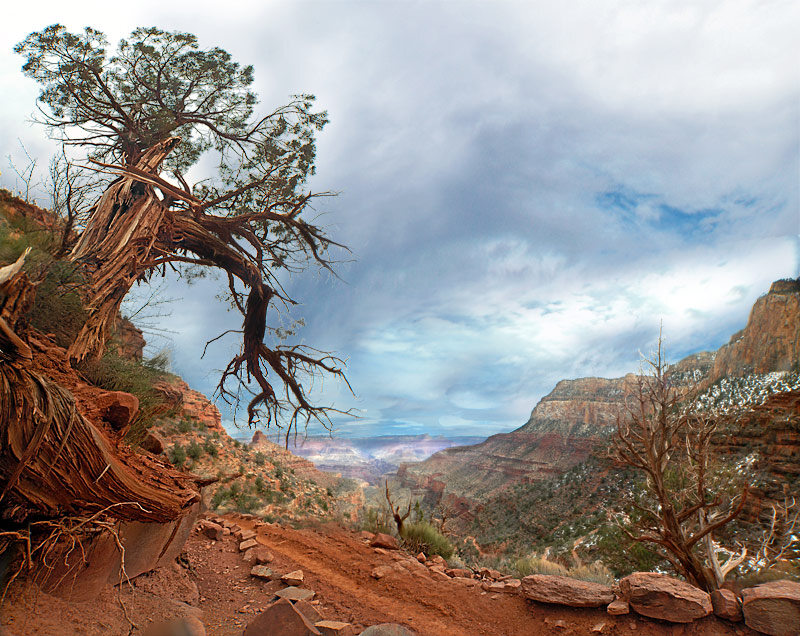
pixel 423 537
pixel 211 448
pixel 376 520
pixel 177 455
pixel 537 565
pixel 185 425
pixel 595 572
pixel 194 450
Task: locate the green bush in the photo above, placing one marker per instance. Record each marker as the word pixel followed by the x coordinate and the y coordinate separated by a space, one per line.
pixel 194 450
pixel 377 520
pixel 259 458
pixel 185 425
pixel 423 537
pixel 177 455
pixel 211 448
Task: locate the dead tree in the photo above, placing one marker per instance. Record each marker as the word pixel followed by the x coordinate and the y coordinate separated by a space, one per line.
pixel 682 506
pixel 399 519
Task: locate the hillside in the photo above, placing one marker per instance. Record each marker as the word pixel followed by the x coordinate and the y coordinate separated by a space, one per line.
pixel 549 484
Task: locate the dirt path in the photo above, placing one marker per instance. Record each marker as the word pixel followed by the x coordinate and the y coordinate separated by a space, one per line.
pixel 338 564
pixel 213 583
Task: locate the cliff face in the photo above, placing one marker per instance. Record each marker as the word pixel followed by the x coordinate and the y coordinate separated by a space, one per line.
pixel 577 416
pixel 771 339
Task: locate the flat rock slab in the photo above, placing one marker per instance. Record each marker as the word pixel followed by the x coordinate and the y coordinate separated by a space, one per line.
pixel 281 618
pixel 295 594
pixel 562 590
pixel 387 629
pixel 660 596
pixel 244 546
pixel 773 608
pixel 261 572
pixel 334 628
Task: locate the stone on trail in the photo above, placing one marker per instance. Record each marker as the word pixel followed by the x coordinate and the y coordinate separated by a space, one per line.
pixel 726 605
pixel 387 629
pixel 280 618
pixel 309 611
pixel 261 572
pixel 211 530
pixel 334 628
pixel 618 607
pixel 660 596
pixel 258 555
pixel 385 541
pixel 563 590
pixel 293 578
pixel 244 546
pixel 295 594
pixel 381 571
pixel 244 535
pixel 773 608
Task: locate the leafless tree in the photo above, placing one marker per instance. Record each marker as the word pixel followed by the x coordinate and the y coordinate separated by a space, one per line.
pixel 399 519
pixel 660 434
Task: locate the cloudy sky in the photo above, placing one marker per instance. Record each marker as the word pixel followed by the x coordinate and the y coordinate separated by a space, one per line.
pixel 527 188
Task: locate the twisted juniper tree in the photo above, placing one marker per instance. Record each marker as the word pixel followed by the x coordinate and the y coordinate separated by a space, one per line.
pixel 144 116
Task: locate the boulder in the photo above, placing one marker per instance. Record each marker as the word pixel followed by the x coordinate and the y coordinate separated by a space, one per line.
pixel 726 605
pixel 211 530
pixel 385 541
pixel 773 608
pixel 563 590
pixel 661 596
pixel 334 628
pixel 244 535
pixel 387 629
pixel 293 578
pixel 281 618
pixel 258 555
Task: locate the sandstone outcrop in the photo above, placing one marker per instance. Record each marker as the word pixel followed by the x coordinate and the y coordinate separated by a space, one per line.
pixel 562 590
pixel 663 597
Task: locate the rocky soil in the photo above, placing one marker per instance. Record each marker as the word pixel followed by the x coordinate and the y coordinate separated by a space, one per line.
pixel 211 583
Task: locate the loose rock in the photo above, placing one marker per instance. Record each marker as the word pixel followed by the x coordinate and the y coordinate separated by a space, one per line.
pixel 281 618
pixel 293 578
pixel 618 607
pixel 385 541
pixel 261 572
pixel 334 628
pixel 295 594
pixel 387 629
pixel 244 546
pixel 258 556
pixel 726 605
